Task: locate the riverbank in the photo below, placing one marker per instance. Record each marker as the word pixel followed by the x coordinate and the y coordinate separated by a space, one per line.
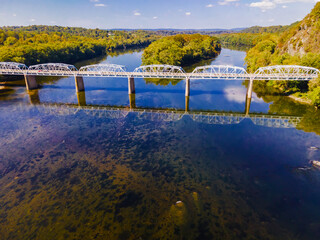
pixel 300 100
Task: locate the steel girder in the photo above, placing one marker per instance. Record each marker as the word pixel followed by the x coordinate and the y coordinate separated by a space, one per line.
pixel 47 67
pixel 219 72
pixel 219 69
pixel 286 72
pixel 12 66
pixel 159 68
pixel 103 68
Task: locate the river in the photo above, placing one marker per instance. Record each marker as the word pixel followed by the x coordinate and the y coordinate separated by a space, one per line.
pixel 103 165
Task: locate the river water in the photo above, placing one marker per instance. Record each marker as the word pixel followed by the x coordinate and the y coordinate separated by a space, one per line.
pixel 156 165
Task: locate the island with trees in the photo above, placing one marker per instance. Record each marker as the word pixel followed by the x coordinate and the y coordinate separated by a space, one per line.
pixel 181 50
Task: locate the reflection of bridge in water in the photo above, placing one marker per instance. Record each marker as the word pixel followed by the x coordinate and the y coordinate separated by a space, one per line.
pixel 167 115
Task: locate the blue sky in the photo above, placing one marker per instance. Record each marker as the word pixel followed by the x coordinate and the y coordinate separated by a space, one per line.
pixel 108 14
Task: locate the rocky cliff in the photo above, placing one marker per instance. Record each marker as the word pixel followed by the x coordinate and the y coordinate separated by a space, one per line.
pixel 303 37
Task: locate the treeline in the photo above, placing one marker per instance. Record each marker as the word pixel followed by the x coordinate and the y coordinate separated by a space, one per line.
pixel 39 44
pixel 242 39
pixel 181 50
pixel 270 29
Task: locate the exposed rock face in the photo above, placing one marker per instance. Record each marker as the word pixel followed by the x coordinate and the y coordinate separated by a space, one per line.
pixel 304 37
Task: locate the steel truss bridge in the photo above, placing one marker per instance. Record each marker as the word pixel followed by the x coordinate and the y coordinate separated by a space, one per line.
pixel 278 72
pixel 161 115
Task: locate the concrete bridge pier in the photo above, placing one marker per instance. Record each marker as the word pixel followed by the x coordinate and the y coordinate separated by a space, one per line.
pixel 81 96
pixel 31 82
pixel 79 83
pixel 131 86
pixel 132 100
pixel 187 87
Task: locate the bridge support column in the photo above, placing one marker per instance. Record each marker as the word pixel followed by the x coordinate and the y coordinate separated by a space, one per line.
pixel 132 100
pixel 249 91
pixel 81 96
pixel 79 83
pixel 187 87
pixel 31 82
pixel 131 86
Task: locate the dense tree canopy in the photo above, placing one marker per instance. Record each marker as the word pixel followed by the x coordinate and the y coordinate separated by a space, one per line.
pixel 181 49
pixel 38 44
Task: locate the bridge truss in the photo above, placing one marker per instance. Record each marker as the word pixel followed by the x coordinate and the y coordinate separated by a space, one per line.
pixel 52 69
pixel 219 71
pixel 159 71
pixel 12 68
pixel 100 70
pixel 286 72
pixel 223 72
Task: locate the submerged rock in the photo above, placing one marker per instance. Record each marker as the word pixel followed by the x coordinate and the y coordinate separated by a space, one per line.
pixel 313 148
pixel 315 163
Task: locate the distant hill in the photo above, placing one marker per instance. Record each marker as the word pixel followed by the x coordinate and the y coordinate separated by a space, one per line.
pixel 271 29
pixel 176 31
pixel 181 29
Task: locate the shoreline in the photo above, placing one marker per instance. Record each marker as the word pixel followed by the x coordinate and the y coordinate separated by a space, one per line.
pixel 300 100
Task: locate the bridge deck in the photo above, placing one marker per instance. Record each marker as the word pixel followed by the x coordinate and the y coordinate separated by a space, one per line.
pixel 225 76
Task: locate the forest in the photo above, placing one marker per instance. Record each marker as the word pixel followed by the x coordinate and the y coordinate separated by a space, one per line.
pixel 181 50
pixel 40 44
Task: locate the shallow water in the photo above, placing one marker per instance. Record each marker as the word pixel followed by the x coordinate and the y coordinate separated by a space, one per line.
pixel 156 165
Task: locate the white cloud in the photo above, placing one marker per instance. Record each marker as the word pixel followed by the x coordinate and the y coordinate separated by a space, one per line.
pixel 235 94
pixel 271 20
pixel 188 13
pixel 226 2
pixel 32 20
pixel 100 5
pixel 209 6
pixel 271 4
pixel 14 15
pixel 94 0
pixel 137 14
pixel 263 5
pixel 155 17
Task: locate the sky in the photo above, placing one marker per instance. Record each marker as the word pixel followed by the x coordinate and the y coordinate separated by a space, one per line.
pixel 153 14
